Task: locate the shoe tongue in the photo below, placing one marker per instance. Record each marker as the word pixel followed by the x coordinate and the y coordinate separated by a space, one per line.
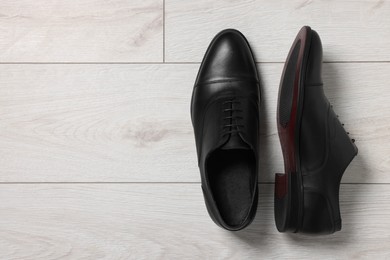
pixel 235 142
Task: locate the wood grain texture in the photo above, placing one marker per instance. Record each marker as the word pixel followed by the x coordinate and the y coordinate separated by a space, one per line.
pixel 351 30
pixel 169 221
pixel 95 123
pixel 131 123
pixel 81 31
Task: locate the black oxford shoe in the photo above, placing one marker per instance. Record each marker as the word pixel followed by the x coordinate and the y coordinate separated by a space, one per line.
pixel 316 148
pixel 225 116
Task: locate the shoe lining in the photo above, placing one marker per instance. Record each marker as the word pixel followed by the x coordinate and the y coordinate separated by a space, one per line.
pixel 231 175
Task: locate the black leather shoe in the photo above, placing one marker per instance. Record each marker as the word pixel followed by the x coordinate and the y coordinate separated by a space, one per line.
pixel 225 116
pixel 316 148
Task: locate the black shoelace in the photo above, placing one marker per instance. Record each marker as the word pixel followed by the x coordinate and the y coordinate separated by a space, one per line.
pixel 232 119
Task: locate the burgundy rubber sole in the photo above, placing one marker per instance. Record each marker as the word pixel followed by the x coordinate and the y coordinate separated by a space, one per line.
pixel 288 186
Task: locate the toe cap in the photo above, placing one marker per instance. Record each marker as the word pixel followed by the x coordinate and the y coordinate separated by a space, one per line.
pixel 228 58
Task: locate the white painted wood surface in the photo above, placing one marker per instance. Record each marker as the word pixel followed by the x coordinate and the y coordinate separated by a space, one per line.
pixel 81 31
pixel 97 155
pixel 169 221
pixel 351 30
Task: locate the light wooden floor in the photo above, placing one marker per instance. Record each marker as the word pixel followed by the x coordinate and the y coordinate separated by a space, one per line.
pixel 97 154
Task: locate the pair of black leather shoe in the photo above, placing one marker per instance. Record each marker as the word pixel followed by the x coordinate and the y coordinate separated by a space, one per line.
pixel 225 115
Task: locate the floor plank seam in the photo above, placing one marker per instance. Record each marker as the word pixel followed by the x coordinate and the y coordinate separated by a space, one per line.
pixel 163 16
pixel 169 62
pixel 168 183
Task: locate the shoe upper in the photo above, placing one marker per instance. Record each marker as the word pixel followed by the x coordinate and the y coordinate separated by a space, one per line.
pixel 314 126
pixel 225 116
pixel 325 149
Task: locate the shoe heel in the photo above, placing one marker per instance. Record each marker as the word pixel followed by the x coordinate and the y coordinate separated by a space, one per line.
pixel 286 202
pixel 281 201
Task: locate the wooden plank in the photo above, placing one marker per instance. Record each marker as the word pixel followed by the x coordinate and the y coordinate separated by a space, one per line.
pixel 81 31
pixel 169 221
pixel 351 30
pixel 131 123
pixel 95 123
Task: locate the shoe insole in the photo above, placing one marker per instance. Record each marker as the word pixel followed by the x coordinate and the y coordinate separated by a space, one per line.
pixel 231 176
